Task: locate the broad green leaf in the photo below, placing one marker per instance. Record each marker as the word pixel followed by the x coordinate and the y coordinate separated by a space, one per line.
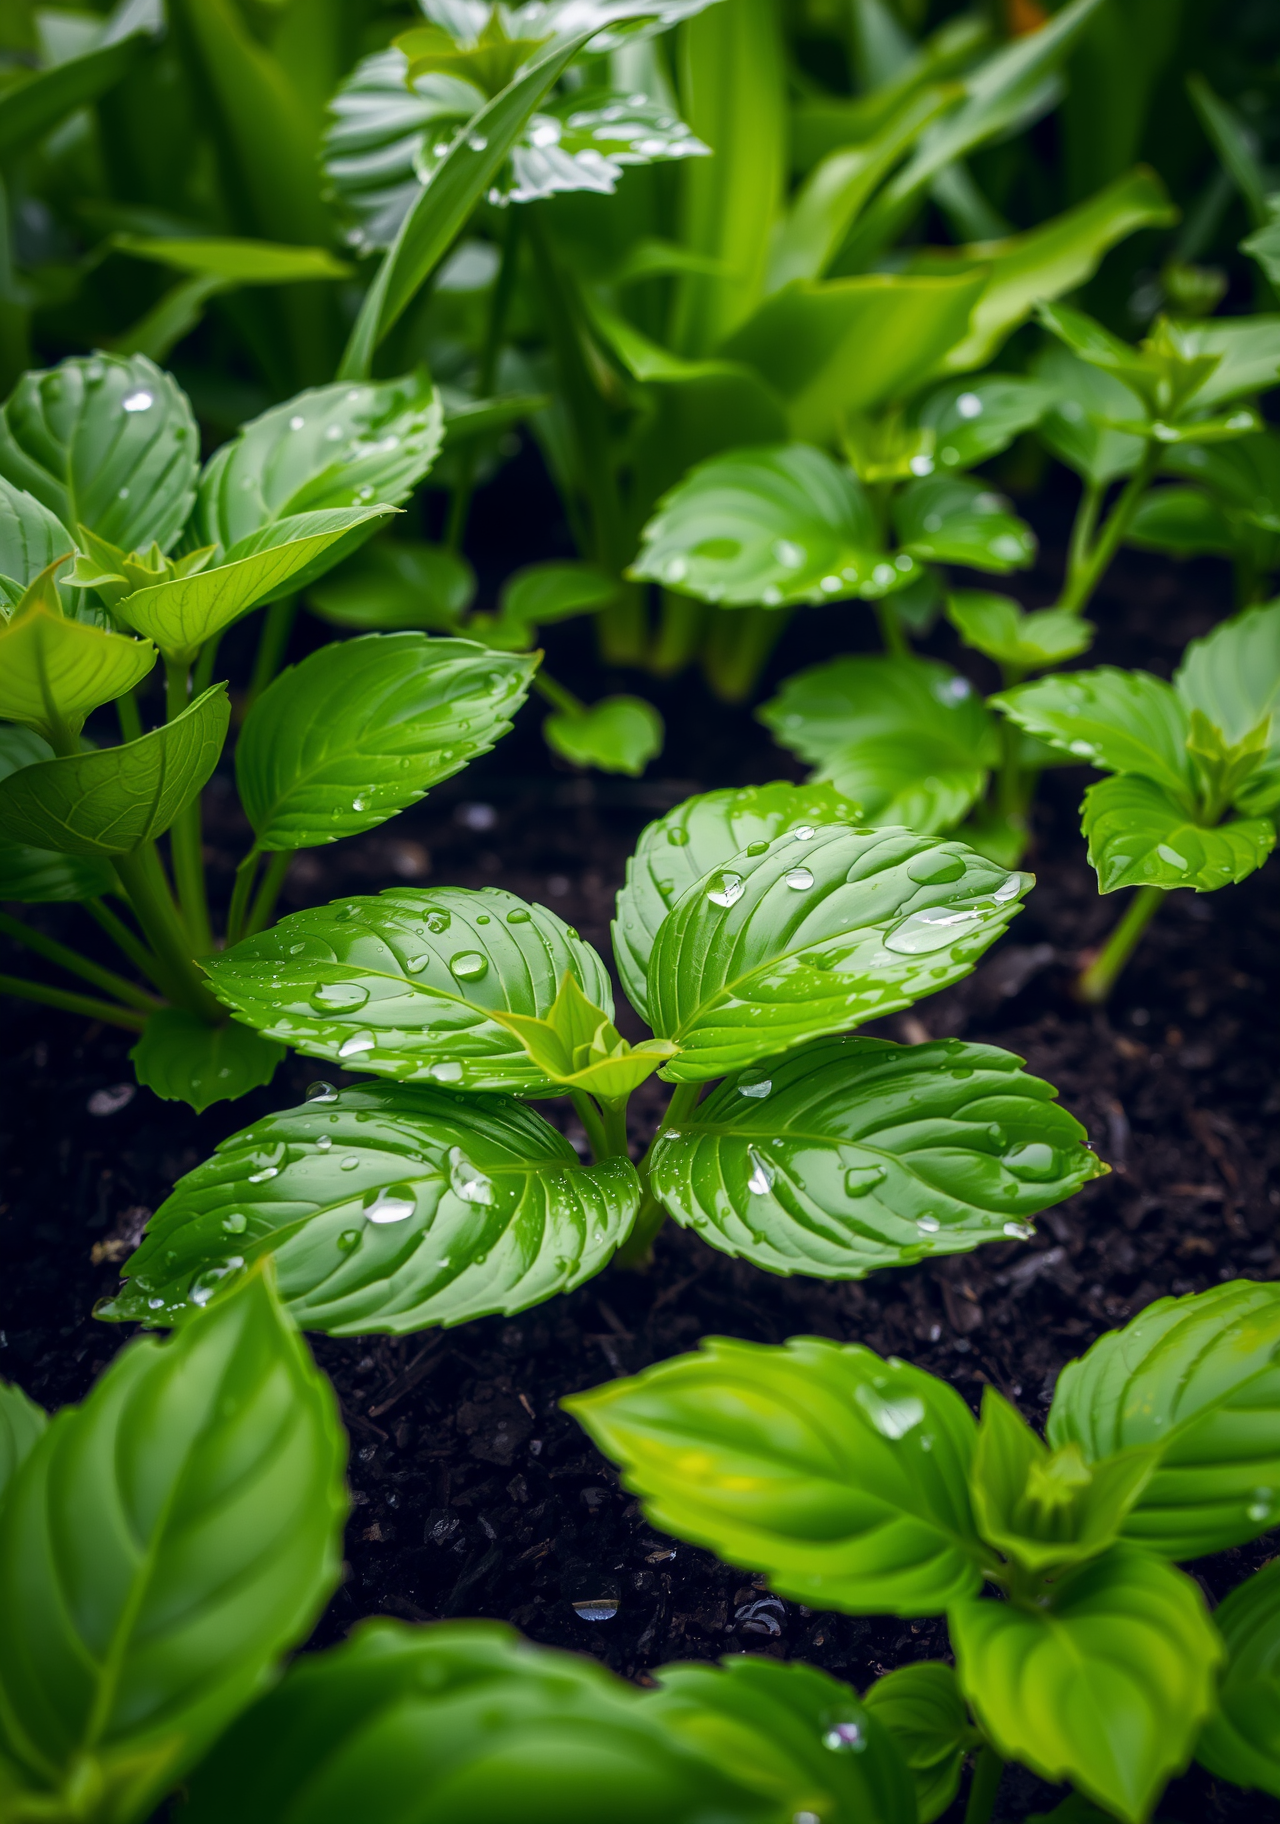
pixel 587 140
pixel 1077 428
pixel 161 1548
pixel 31 538
pixel 1244 474
pixel 105 441
pixel 615 735
pixel 540 595
pixel 181 1059
pixel 1016 637
pixel 34 104
pixel 1121 721
pixel 698 835
pixel 909 740
pixel 35 876
pixel 386 1208
pixel 334 446
pixel 110 801
pixel 772 526
pixel 1164 371
pixel 1182 522
pixel 22 1423
pixel 236 262
pixel 1241 1742
pixel 579 1047
pixel 1139 836
pixel 842 1476
pixel 853 1154
pixel 838 346
pixel 976 418
pixel 54 671
pixel 1197 1376
pixel 363 727
pixel 464 1720
pixel 827 928
pixel 1232 676
pixel 951 520
pixel 181 614
pixel 396 585
pixel 1264 245
pixel 1247 351
pixel 403 985
pixel 921 1707
pixel 1106 1686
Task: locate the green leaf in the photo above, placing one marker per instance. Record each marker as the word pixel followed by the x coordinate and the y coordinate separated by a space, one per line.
pixel 949 519
pixel 1183 522
pixel 976 418
pixel 616 735
pixel 587 140
pixel 30 108
pixel 921 1707
pixel 386 1208
pixel 772 526
pixel 1264 246
pixel 822 931
pixel 1247 351
pixel 163 1545
pixel 333 446
pixel 1197 1376
pixel 31 539
pixel 362 728
pixel 1106 1686
pixel 539 595
pixel 1022 639
pixel 22 1424
pixel 35 876
pixel 404 985
pixel 54 671
pixel 237 262
pixel 1121 721
pixel 1233 677
pixel 1241 1742
pixel 181 1059
pixel 394 586
pixel 1139 836
pixel 105 441
pixel 843 1477
pixel 1077 428
pixel 909 740
pixel 698 835
pixel 1243 474
pixel 853 1154
pixel 111 801
pixel 579 1047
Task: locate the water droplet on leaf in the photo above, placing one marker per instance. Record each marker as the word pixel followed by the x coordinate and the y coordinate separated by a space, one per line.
pixel 469 965
pixel 339 997
pixel 320 1091
pixel 727 891
pixel 859 1180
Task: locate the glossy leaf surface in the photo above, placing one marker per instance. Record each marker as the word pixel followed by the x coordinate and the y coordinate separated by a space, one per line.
pixel 1122 721
pixel 842 1476
pixel 33 876
pixel 22 1423
pixel 54 671
pixel 951 520
pixel 1023 639
pixel 403 985
pixel 580 1048
pixel 1183 522
pixel 160 1549
pixel 921 1707
pixel 110 801
pixel 1107 1686
pixel 31 538
pixel 973 419
pixel 1242 1742
pixel 360 729
pixel 616 735
pixel 387 1208
pixel 1233 677
pixel 853 1154
pixel 1138 836
pixel 1077 428
pixel 182 1059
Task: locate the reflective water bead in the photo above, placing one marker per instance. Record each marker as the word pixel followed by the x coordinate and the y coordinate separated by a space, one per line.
pixel 392 1203
pixel 756 848
pixel 893 1415
pixel 860 1180
pixel 1019 1231
pixel 414 965
pixel 469 965
pixel 236 1223
pixel 1033 1159
pixel 438 921
pixel 848 1738
pixel 805 833
pixel 728 891
pixel 358 1043
pixel 799 879
pixel 677 835
pixel 928 1225
pixel 466 1180
pixel 349 1239
pixel 348 1163
pixel 934 867
pixel 932 929
pixel 760 1183
pixel 518 916
pixel 754 1087
pixel 320 1091
pixel 324 1142
pixel 339 997
pixel 447 1072
pixel 268 1171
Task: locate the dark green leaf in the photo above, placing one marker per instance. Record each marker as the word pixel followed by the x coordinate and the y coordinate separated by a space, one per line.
pixel 1233 677
pixel 842 1476
pixel 921 1707
pixel 1183 522
pixel 1106 1686
pixel 111 801
pixel 181 1059
pixel 1248 352
pixel 973 419
pixel 541 594
pixel 853 1154
pixel 1024 640
pixel 616 735
pixel 22 1423
pixel 1140 837
pixel 1121 721
pixel 54 671
pixel 387 1208
pixel 1077 428
pixel 393 585
pixel 32 875
pixel 105 441
pixel 31 538
pixel 1264 245
pixel 362 728
pixel 1243 474
pixel 1242 1742
pixel 403 985
pixel 30 109
pixel 951 520
pixel 1196 1376
pixel 160 1549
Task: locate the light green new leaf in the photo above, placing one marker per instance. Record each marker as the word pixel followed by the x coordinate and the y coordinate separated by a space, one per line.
pixel 396 585
pixel 854 1154
pixel 1139 836
pixel 698 835
pixel 974 419
pixel 909 740
pixel 579 1047
pixel 386 1208
pixel 1078 428
pixel 182 1059
pixel 1022 639
pixel 921 1707
pixel 105 441
pixel 364 727
pixel 1121 721
pixel 827 928
pixel 1232 676
pixel 951 520
pixel 22 1423
pixel 333 446
pixel 1241 1742
pixel 110 801
pixel 1107 1686
pixel 31 538
pixel 1199 1377
pixel 36 876
pixel 1247 351
pixel 53 671
pixel 236 262
pixel 842 1476
pixel 615 735
pixel 404 985
pixel 160 1549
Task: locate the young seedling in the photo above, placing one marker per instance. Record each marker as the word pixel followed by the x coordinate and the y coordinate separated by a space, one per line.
pixel 1194 765
pixel 866 1485
pixel 755 929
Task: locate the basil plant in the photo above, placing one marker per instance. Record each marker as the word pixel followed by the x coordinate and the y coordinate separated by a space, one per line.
pixel 866 1485
pixel 755 929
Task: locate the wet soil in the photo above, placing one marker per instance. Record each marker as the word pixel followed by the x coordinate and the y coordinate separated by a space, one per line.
pixel 473 1494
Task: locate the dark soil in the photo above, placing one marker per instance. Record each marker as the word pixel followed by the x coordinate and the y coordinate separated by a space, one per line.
pixel 473 1494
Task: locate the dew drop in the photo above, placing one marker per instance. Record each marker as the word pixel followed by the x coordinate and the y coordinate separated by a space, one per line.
pixel 447 1072
pixel 438 921
pixel 348 1163
pixel 392 1203
pixel 799 879
pixel 934 868
pixel 138 402
pixel 296 949
pixel 268 1171
pixel 154 1304
pixel 236 1223
pixel 321 1091
pixel 349 1239
pixel 728 891
pixel 969 405
pixel 934 928
pixel 477 142
pixel 893 1415
pixel 928 1225
pixel 1019 1231
pixel 339 997
pixel 518 916
pixel 756 848
pixel 414 965
pixel 860 1180
pixel 760 1183
pixel 324 1142
pixel 1034 1159
pixel 1010 889
pixel 466 1180
pixel 358 1043
pixel 677 836
pixel 601 1608
pixel 805 833
pixel 1260 1507
pixel 469 965
pixel 754 1087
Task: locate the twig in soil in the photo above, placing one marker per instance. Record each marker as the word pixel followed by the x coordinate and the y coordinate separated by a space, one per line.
pixel 419 1368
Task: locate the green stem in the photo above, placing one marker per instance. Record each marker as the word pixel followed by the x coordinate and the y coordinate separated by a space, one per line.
pixel 681 621
pixel 891 629
pixel 72 1003
pixel 636 1251
pixel 124 939
pixel 129 717
pixel 273 641
pixel 486 375
pixel 987 1772
pixel 239 907
pixel 556 694
pixel 203 675
pixel 264 901
pixel 1094 985
pixel 589 1115
pixel 1083 526
pixel 1080 586
pixel 142 877
pixel 615 1127
pixel 186 837
pixel 75 964
pixel 739 642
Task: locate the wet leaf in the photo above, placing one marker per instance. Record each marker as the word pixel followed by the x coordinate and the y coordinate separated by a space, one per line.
pixel 952 520
pixel 1241 1742
pixel 1122 721
pixel 921 1707
pixel 616 735
pixel 54 671
pixel 180 1058
pixel 1023 639
pixel 1139 836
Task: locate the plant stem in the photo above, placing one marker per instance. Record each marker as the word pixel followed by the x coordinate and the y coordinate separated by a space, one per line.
pixel 615 1128
pixel 264 902
pixel 891 630
pixel 273 641
pixel 987 1772
pixel 239 906
pixel 486 375
pixel 75 964
pixel 557 695
pixel 124 939
pixel 128 716
pixel 142 877
pixel 1094 985
pixel 1081 585
pixel 72 1003
pixel 680 625
pixel 589 1115
pixel 208 658
pixel 186 839
pixel 739 642
pixel 636 1251
pixel 1082 527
